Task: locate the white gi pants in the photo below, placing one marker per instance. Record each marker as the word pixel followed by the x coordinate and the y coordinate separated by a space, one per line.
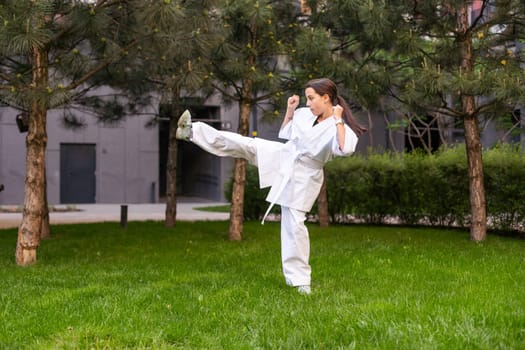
pixel 295 247
pixel 295 243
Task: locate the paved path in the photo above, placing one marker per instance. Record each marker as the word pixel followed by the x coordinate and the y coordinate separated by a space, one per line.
pixel 186 211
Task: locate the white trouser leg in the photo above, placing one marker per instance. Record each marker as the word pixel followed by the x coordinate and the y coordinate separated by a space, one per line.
pixel 223 143
pixel 295 247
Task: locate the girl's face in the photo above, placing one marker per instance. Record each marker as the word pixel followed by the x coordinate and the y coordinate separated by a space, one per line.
pixel 318 104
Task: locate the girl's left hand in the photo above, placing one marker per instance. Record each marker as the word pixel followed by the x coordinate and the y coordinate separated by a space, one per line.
pixel 338 111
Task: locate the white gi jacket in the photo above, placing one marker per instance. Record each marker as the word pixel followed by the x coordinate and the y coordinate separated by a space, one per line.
pixel 294 170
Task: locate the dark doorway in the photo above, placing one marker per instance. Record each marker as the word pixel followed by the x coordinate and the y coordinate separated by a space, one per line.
pixel 77 173
pixel 198 172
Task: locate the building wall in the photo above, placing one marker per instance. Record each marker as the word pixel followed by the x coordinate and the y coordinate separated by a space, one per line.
pixel 229 116
pixel 126 158
pixel 12 158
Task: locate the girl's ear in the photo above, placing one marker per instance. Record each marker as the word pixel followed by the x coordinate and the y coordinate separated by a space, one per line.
pixel 326 98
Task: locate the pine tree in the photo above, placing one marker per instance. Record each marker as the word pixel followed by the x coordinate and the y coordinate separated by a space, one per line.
pixel 176 65
pixel 52 52
pixel 248 69
pixel 460 59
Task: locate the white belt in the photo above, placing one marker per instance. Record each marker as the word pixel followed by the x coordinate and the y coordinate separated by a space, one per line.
pixel 308 162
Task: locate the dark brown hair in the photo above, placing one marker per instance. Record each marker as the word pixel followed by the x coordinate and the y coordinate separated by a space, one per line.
pixel 324 86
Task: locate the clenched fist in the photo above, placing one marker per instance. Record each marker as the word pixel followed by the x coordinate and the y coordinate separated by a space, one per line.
pixel 293 102
pixel 338 111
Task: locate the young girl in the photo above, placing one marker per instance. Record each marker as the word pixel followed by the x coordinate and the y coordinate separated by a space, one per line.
pixel 294 169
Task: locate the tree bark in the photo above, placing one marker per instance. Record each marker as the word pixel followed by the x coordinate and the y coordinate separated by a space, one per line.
pixel 45 229
pixel 237 205
pixel 478 227
pixel 171 167
pixel 322 205
pixel 36 141
pixel 239 174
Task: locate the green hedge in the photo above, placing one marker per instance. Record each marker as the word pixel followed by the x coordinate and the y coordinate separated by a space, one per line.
pixel 414 188
pixel 410 188
pixel 505 186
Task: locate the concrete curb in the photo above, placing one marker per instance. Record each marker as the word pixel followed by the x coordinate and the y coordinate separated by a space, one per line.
pixel 87 213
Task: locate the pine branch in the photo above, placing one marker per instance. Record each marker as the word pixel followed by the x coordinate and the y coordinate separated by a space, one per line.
pixel 100 67
pixel 480 16
pixel 442 109
pixel 5 78
pixel 225 92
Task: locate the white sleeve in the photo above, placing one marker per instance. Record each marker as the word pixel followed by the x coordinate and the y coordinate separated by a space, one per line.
pixel 286 131
pixel 301 122
pixel 350 143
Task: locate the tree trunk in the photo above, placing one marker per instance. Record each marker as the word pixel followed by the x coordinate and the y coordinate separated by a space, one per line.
pixel 36 141
pixel 478 228
pixel 239 175
pixel 171 167
pixel 45 229
pixel 237 205
pixel 322 206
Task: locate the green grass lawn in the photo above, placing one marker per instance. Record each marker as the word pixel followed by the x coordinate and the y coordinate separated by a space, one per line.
pixel 216 209
pixel 97 286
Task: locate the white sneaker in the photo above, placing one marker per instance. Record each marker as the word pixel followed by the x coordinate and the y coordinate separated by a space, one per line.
pixel 304 290
pixel 184 127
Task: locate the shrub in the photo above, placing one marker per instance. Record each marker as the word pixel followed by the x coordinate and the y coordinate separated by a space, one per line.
pixel 448 188
pixel 413 188
pixel 505 179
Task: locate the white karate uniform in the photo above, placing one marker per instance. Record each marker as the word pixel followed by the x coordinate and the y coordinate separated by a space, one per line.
pixel 294 170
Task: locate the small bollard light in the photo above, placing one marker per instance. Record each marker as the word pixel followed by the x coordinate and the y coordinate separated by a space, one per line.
pixel 123 216
pixel 22 121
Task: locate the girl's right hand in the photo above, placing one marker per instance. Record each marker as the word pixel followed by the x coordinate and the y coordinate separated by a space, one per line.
pixel 293 102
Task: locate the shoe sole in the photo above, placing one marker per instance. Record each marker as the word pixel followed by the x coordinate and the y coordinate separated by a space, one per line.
pixel 184 126
pixel 184 120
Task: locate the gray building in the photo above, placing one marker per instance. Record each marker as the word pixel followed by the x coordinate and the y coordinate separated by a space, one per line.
pixel 97 163
pixel 117 162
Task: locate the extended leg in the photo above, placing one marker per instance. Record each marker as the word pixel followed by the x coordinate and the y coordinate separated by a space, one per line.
pixel 220 143
pixel 224 143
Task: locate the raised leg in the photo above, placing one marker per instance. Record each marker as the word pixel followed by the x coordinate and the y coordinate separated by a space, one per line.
pixel 224 143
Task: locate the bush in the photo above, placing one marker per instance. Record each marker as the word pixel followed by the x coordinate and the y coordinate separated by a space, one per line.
pixel 447 188
pixel 413 188
pixel 505 179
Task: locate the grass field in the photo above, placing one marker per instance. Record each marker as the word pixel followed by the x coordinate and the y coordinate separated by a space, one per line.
pixel 97 286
